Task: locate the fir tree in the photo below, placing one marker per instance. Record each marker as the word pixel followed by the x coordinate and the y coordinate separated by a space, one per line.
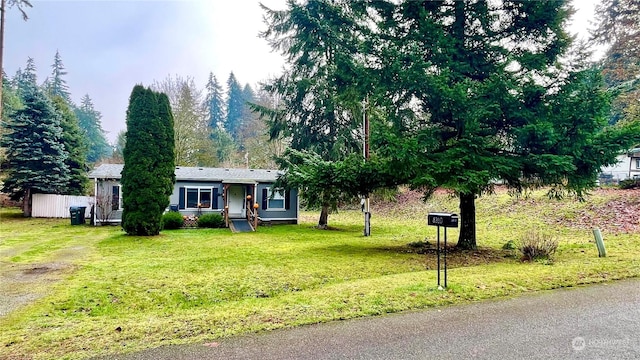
pixel 27 78
pixel 476 92
pixel 89 120
pixel 149 172
pixel 214 103
pixel 74 144
pixel 56 85
pixel 321 89
pixel 235 107
pixel 35 153
pixel 619 28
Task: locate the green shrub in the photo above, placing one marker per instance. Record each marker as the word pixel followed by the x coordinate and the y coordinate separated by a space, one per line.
pixel 509 245
pixel 537 246
pixel 211 221
pixel 172 220
pixel 629 184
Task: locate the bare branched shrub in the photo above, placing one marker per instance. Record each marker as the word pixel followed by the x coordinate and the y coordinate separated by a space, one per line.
pixel 104 208
pixel 537 246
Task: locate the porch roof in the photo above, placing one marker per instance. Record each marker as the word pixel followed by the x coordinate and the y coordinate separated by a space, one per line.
pixel 184 173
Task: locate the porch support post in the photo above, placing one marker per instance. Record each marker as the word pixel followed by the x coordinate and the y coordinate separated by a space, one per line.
pixel 95 201
pixel 225 201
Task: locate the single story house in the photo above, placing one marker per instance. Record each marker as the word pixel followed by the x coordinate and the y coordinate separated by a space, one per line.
pixel 627 167
pixel 201 190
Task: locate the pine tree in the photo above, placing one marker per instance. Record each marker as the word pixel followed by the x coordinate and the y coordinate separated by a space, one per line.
pixel 56 85
pixel 235 106
pixel 149 172
pixel 89 120
pixel 35 154
pixel 214 103
pixel 74 144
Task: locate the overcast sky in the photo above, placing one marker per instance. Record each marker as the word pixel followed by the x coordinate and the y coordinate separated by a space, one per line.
pixel 109 46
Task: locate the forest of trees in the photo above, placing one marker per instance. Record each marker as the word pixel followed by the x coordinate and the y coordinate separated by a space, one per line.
pixel 49 143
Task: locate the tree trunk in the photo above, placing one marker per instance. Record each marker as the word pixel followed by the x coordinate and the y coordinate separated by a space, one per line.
pixel 26 203
pixel 324 218
pixel 3 4
pixel 467 238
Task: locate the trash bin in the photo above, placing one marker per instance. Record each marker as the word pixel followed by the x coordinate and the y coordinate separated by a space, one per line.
pixel 81 216
pixel 74 211
pixel 77 214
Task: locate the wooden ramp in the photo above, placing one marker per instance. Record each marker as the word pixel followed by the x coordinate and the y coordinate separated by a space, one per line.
pixel 240 225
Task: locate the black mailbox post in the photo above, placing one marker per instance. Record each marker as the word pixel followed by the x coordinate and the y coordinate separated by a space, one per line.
pixel 446 220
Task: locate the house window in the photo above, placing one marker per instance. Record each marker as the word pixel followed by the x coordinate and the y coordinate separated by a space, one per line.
pixel 276 199
pixel 116 198
pixel 198 198
pixel 638 163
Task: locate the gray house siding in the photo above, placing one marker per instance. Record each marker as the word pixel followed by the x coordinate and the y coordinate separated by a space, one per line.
pixel 184 193
pixel 108 206
pixel 200 191
pixel 282 209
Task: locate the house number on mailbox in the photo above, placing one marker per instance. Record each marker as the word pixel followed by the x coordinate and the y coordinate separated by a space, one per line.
pixel 445 220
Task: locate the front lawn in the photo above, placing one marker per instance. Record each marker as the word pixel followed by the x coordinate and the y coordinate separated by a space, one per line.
pixel 93 290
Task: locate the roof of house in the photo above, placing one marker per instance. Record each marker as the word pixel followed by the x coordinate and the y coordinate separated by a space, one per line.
pixel 113 171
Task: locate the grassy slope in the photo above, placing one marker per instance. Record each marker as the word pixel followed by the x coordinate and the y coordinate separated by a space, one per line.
pixel 125 293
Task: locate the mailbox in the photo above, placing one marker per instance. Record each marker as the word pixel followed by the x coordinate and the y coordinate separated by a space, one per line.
pixel 442 219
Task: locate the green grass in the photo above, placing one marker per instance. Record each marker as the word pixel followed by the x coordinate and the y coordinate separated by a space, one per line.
pixel 118 293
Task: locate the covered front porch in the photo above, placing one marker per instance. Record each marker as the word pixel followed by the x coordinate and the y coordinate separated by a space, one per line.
pixel 240 206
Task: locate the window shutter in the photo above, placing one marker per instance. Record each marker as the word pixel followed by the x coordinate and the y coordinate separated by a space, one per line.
pixel 181 198
pixel 287 200
pixel 264 199
pixel 214 198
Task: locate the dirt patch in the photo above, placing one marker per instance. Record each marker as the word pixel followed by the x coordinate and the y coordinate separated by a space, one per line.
pixel 23 284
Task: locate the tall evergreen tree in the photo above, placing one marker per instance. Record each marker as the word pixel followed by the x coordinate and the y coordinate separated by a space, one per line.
pixel 321 90
pixel 27 78
pixel 35 153
pixel 149 169
pixel 214 103
pixel 89 120
pixel 11 102
pixel 476 92
pixel 619 28
pixel 56 85
pixel 74 143
pixel 235 107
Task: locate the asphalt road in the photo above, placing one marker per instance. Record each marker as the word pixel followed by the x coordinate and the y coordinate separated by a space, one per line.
pixel 596 322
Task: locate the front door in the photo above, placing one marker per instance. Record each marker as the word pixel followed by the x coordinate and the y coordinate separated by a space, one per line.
pixel 236 201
